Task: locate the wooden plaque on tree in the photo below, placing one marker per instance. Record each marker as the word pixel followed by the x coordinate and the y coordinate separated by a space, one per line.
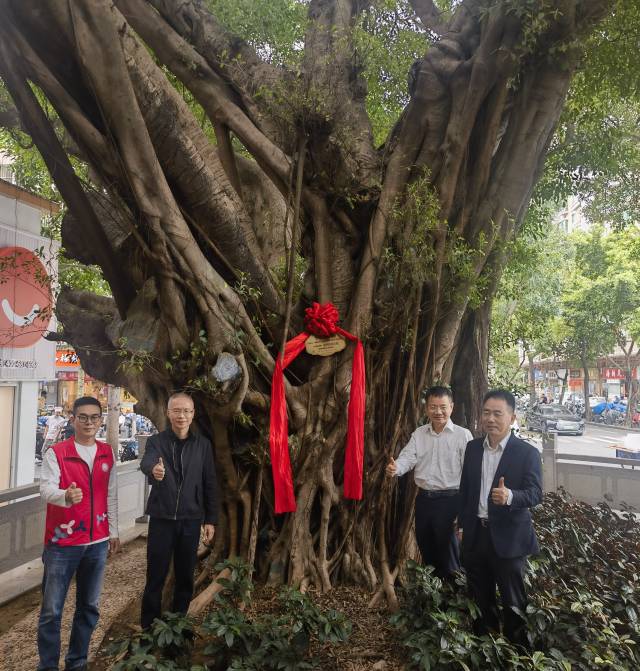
pixel 325 346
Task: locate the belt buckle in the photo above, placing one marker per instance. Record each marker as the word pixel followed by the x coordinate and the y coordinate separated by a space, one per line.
pixel 484 522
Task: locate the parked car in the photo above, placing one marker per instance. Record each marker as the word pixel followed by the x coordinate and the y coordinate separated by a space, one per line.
pixel 554 417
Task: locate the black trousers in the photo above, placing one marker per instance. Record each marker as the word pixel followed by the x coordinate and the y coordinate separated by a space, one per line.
pixel 435 532
pixel 167 540
pixel 486 570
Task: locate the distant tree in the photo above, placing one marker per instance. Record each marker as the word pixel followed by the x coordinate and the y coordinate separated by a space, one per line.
pixel 528 300
pixel 610 263
pixel 601 306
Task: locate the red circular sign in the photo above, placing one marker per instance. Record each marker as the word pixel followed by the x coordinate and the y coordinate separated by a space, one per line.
pixel 25 297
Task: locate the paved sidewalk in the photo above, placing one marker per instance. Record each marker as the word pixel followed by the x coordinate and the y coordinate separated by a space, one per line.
pixel 123 582
pixel 21 579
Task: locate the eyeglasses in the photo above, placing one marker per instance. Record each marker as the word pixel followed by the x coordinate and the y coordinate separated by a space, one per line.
pixel 181 411
pixel 86 419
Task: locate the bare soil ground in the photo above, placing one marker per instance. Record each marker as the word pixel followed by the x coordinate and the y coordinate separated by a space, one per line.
pixel 371 646
pixel 124 581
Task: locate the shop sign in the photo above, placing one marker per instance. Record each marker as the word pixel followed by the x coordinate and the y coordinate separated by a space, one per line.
pixel 18 364
pixel 26 310
pixel 70 375
pixel 615 373
pixel 67 358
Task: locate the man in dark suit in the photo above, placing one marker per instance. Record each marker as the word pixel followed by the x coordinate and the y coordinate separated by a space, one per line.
pixel 501 480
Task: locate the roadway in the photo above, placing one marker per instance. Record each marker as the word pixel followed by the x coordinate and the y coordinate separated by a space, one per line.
pixel 596 441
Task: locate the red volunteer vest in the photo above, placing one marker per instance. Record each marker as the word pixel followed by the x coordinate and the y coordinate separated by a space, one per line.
pixel 83 522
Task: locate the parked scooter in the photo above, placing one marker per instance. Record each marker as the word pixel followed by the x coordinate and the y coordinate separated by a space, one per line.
pixel 128 450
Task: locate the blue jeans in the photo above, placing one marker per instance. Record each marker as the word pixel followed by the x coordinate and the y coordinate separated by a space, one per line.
pixel 87 562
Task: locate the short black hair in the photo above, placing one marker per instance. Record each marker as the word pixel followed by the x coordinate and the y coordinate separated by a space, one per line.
pixel 438 391
pixel 85 400
pixel 501 394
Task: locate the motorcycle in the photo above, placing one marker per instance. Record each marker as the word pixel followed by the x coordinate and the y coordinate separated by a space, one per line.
pixel 128 450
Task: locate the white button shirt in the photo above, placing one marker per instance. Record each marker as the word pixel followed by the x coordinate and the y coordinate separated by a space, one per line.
pixel 50 484
pixel 436 458
pixel 490 460
pixel 54 424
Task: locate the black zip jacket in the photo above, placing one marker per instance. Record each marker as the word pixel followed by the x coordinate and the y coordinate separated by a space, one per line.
pixel 196 497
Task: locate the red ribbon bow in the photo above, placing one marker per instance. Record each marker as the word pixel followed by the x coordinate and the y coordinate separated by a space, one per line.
pixel 321 321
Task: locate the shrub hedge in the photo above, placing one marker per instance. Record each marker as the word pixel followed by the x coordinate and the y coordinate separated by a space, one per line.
pixel 584 600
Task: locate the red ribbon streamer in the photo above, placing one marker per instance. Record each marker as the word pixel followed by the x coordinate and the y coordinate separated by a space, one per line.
pixel 321 321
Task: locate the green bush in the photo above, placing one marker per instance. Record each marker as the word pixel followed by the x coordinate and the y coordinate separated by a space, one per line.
pixel 232 640
pixel 584 601
pixel 267 642
pixel 238 587
pixel 165 646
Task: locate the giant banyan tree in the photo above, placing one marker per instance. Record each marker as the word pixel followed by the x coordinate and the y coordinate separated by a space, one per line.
pixel 221 195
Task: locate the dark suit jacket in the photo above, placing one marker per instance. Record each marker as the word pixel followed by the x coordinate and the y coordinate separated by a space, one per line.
pixel 510 526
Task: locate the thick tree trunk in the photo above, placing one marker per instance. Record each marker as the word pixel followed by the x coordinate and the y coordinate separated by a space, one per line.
pixel 407 240
pixel 113 418
pixel 532 378
pixel 632 400
pixel 469 374
pixel 563 380
pixel 628 381
pixel 628 385
pixel 585 387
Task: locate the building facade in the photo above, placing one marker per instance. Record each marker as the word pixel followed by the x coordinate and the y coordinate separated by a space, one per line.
pixel 28 269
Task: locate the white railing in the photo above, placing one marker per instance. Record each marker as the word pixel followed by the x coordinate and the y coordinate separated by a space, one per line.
pixel 22 515
pixel 591 479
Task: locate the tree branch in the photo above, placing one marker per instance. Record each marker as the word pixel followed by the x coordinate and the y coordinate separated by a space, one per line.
pixel 61 170
pixel 206 85
pixel 345 149
pixel 197 175
pixel 230 57
pixel 430 15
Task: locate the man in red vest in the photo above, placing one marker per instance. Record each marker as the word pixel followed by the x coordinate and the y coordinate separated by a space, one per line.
pixel 78 482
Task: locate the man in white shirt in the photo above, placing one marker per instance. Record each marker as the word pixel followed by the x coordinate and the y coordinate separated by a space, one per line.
pixel 54 425
pixel 435 452
pixel 501 480
pixel 79 484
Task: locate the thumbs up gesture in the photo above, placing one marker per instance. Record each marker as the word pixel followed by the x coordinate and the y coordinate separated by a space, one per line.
pixel 500 494
pixel 158 470
pixel 73 494
pixel 391 468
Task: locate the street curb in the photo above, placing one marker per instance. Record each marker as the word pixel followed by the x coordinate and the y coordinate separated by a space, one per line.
pixel 615 427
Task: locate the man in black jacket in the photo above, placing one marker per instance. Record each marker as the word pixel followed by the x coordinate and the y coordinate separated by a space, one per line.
pixel 180 468
pixel 501 480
